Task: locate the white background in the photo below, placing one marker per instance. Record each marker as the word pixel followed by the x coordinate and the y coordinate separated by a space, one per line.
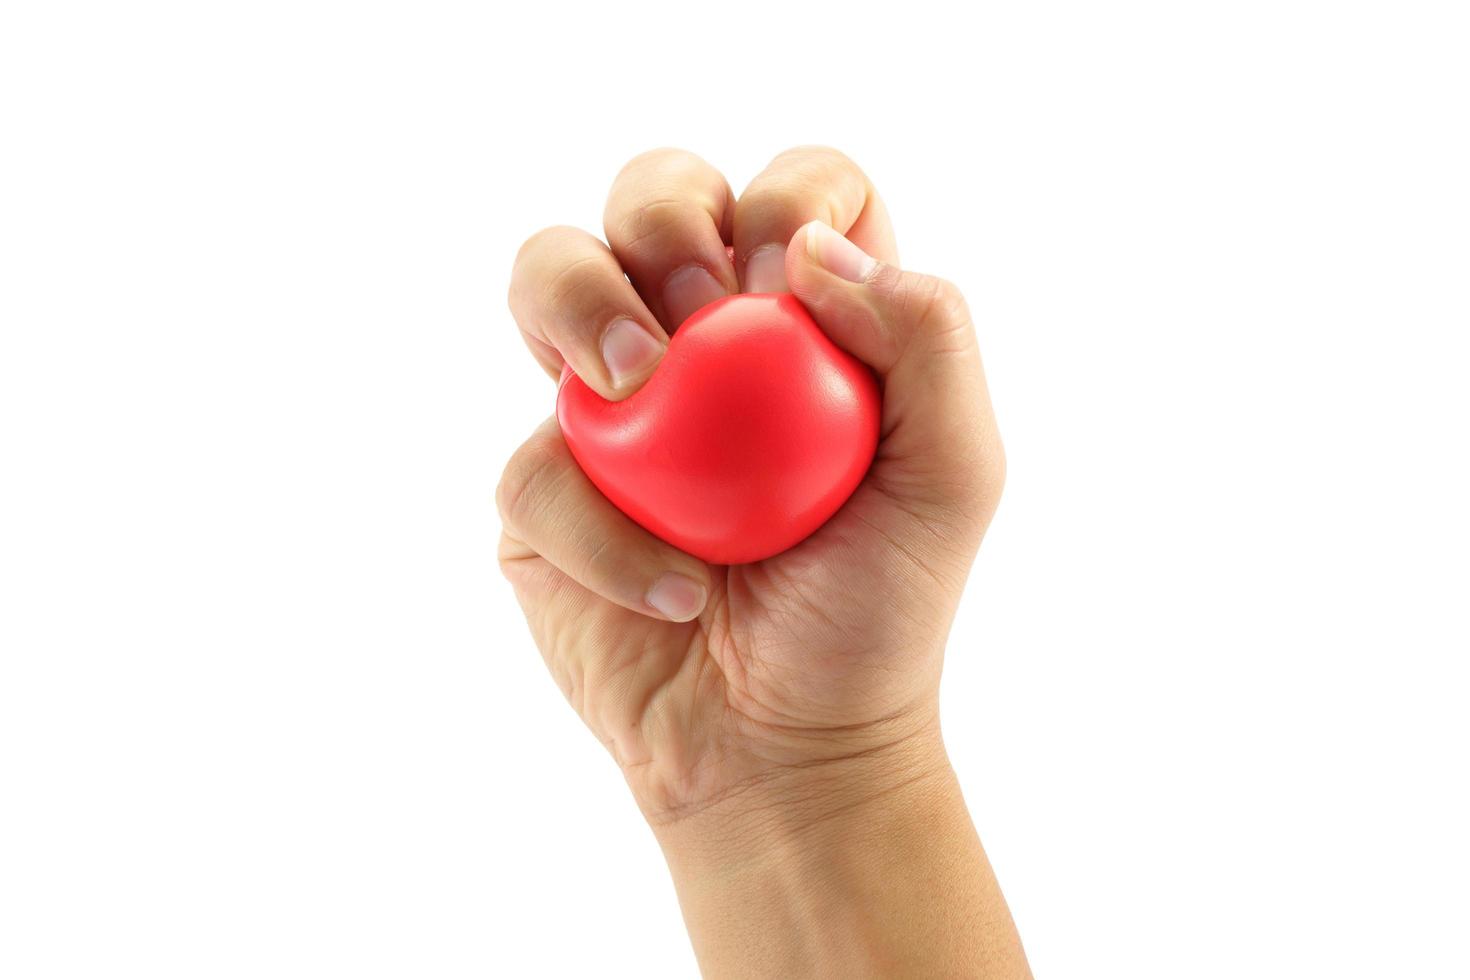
pixel 266 707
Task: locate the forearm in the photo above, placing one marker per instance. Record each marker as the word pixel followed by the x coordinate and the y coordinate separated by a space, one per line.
pixel 864 867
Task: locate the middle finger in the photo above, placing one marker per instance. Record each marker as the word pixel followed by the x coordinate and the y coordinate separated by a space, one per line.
pixel 669 218
pixel 804 184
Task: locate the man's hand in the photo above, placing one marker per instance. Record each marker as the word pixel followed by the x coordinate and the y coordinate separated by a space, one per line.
pixel 772 714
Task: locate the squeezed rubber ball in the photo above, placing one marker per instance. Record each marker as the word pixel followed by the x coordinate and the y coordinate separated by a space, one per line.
pixel 751 433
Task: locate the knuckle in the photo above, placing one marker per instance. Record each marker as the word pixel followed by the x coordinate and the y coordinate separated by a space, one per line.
pixel 777 189
pixel 985 459
pixel 815 155
pixel 665 174
pixel 972 487
pixel 936 306
pixel 548 242
pixel 542 251
pixel 528 479
pixel 943 301
pixel 669 160
pixel 652 222
pixel 662 195
pixel 572 282
pixel 995 470
pixel 803 183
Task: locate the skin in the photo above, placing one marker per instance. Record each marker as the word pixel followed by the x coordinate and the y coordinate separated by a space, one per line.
pixel 777 722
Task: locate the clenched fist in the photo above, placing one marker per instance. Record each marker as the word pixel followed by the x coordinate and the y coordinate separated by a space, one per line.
pixel 777 722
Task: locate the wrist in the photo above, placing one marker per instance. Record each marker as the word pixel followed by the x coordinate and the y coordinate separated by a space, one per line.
pixel 797 805
pixel 864 865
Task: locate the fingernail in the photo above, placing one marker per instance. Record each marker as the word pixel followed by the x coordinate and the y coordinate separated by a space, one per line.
pixel 678 597
pixel 629 351
pixel 687 290
pixel 836 254
pixel 765 270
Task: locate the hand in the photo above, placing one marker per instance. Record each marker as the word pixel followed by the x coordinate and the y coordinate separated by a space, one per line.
pixel 705 681
pixel 749 704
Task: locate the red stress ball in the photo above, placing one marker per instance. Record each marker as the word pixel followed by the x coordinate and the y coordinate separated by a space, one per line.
pixel 752 431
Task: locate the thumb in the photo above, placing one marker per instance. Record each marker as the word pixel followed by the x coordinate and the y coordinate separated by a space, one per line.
pixel 940 449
